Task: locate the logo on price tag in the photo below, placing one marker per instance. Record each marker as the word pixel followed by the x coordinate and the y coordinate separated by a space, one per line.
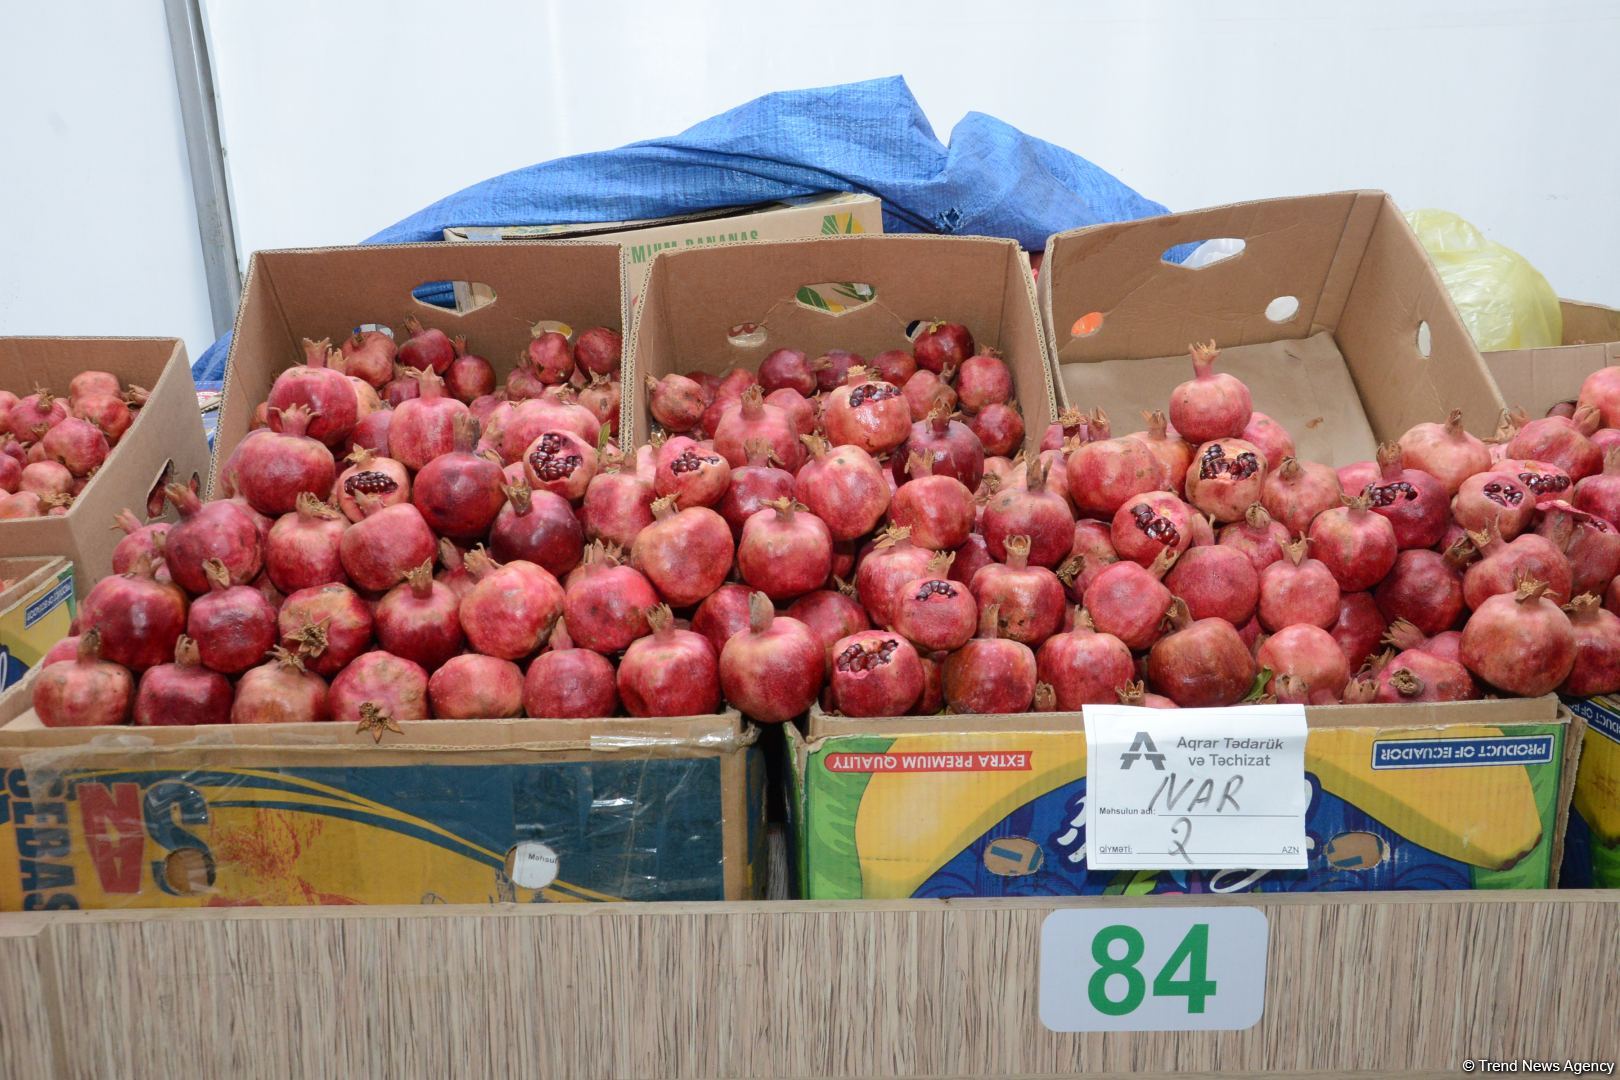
pixel 1153 969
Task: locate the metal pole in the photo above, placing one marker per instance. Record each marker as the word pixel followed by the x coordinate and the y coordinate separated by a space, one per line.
pixel 194 79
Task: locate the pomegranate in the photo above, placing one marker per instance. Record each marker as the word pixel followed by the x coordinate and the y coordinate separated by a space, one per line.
pixel 1029 598
pixel 77 444
pixel 218 530
pixel 328 626
pixel 381 478
pixel 424 426
pixel 369 355
pixel 106 412
pixel 606 604
pixel 469 377
pixel 1299 490
pixel 1425 588
pixel 324 395
pixel 925 391
pixel 11 471
pixel 783 552
pixel 1135 694
pixel 1520 642
pixel 686 554
pixel 1225 478
pixel 1259 538
pixel 1546 482
pixel 371 433
pixel 419 619
pixel 234 625
pixel 1129 601
pixel 1601 392
pixel 1414 502
pixel 1504 562
pixel 1093 550
pixel 1404 637
pixel 273 469
pixel 1358 546
pixel 539 527
pixel 1597 649
pixel 1270 437
pixel 44 478
pixel 1417 675
pixel 601 397
pixel 722 613
pixel 510 609
pixel 844 487
pixel 990 674
pixel 830 614
pixel 138 540
pixel 1000 427
pixel 31 417
pixel 891 365
pixel 1146 525
pixel 459 494
pixel 1494 496
pixel 933 612
pixel 1216 582
pixel 1168 446
pixel 377 691
pixel 875 673
pixel 1211 405
pixel 617 505
pixel 670 672
pixel 1310 653
pixel 750 419
pixel 1597 494
pixel 528 420
pixel 1605 439
pixel 567 682
pixel 1200 664
pixel 800 410
pixel 939 344
pixel 787 368
pixel 1084 666
pixel 883 570
pixel 752 485
pixel 696 476
pixel 871 415
pixel 939 510
pixel 86 383
pixel 1071 424
pixel 1590 543
pixel 1031 511
pixel 951 446
pixel 302 549
pixel 1296 589
pixel 1445 451
pixel 599 351
pixel 1106 472
pixel 389 540
pixel 426 349
pixel 983 379
pixel 675 402
pixel 1559 441
pixel 183 692
pixel 367 402
pixel 772 671
pixel 474 687
pixel 23 504
pixel 89 692
pixel 454 572
pixel 280 691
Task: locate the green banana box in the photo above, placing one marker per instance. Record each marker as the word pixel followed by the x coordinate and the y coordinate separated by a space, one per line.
pixel 37 606
pixel 446 811
pixel 1463 796
pixel 1592 850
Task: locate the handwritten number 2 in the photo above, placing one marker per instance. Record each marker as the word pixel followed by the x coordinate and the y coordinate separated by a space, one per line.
pixel 1182 831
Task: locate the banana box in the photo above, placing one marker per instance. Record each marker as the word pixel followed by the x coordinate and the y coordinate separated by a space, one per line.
pixel 447 811
pixel 1463 796
pixel 37 606
pixel 1592 850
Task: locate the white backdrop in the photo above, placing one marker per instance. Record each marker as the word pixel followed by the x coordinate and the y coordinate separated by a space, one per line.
pixel 341 118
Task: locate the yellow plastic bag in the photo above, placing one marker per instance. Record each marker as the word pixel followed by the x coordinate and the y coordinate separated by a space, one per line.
pixel 1503 300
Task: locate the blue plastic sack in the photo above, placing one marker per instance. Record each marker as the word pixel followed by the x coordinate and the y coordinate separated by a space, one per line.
pixel 992 180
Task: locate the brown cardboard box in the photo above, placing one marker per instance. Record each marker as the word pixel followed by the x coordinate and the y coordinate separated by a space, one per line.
pixel 1536 379
pixel 321 292
pixel 165 442
pixel 715 308
pixel 36 609
pixel 1372 346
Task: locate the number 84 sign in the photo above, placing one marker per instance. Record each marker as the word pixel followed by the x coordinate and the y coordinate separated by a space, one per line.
pixel 1153 969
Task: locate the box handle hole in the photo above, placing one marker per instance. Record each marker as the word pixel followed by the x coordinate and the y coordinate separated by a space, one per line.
pixel 1423 342
pixel 1282 309
pixel 188 871
pixel 835 297
pixel 1198 254
pixel 455 297
pixel 747 335
pixel 1087 324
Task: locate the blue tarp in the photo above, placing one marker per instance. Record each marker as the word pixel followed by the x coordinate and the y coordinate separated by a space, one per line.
pixel 991 180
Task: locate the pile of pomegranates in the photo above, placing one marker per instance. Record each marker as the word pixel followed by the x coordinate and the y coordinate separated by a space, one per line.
pixel 50 446
pixel 403 538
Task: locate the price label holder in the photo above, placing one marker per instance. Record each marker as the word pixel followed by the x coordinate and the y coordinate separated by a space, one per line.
pixel 1191 789
pixel 1153 969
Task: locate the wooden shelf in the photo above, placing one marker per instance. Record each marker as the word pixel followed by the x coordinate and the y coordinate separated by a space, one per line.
pixel 1382 983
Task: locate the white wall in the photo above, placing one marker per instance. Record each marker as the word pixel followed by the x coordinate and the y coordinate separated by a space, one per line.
pixel 100 231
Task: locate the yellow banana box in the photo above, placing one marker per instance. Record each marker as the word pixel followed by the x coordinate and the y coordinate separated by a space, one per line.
pixel 1463 796
pixel 454 812
pixel 37 606
pixel 1592 851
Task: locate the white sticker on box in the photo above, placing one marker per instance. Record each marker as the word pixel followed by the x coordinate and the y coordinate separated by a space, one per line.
pixel 1209 789
pixel 534 865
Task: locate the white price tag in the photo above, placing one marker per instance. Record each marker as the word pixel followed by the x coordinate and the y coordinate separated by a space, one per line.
pixel 1153 969
pixel 1210 789
pixel 534 865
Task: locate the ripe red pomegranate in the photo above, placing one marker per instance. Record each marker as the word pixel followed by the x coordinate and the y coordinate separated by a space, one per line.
pixel 1000 427
pixel 539 527
pixel 1417 675
pixel 419 619
pixel 686 554
pixel 106 412
pixel 533 418
pixel 11 471
pixel 1296 589
pixel 1597 494
pixel 24 504
pixel 1358 546
pixel 1259 538
pixel 750 419
pixel 568 682
pixel 183 692
pixel 1520 642
pixel 273 469
pixel 1093 548
pixel 328 626
pixel 1106 472
pixel 1033 511
pixel 606 604
pixel 424 426
pixel 722 613
pixel 1605 438
pixel 511 608
pixel 800 410
pixel 378 549
pixel 1560 441
pixel 694 474
pixel 894 366
pixel 377 691
pixel 371 432
pixel 925 391
pixel 382 478
pixel 367 402
pixel 234 625
pixel 935 613
pixel 1414 502
pixel 426 349
pixel 990 674
pixel 875 673
pixel 831 614
pixel 325 395
pixel 787 368
pixel 138 540
pixel 617 506
pixel 1597 649
pixel 369 355
pixel 871 415
pixel 1029 598
pixel 1271 437
pixel 92 382
pixel 218 530
pixel 1504 562
pixel 459 493
pixel 1225 478
pixel 675 402
pixel 1601 391
pixel 1309 653
pixel 1071 424
pixel 952 448
pixel 1210 405
pixel 31 417
pixel 1129 601
pixel 753 485
pixel 671 672
pixel 474 687
pixel 599 351
pixel 1167 445
pixel 469 377
pixel 302 549
pixel 939 344
pixel 773 670
pixel 1494 496
pixel 89 692
pixel 1084 666
pixel 1545 481
pixel 844 487
pixel 1135 694
pixel 884 569
pixel 1299 490
pixel 983 379
pixel 281 691
pixel 1149 524
pixel 1425 588
pixel 1202 664
pixel 46 478
pixel 1216 582
pixel 1445 451
pixel 454 570
pixel 939 510
pixel 1590 543
pixel 1405 637
pixel 77 444
pixel 785 551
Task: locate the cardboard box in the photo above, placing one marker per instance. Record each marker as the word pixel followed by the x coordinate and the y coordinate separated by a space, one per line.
pixel 1332 313
pixel 1537 379
pixel 453 811
pixel 714 308
pixel 326 292
pixel 834 213
pixel 994 806
pixel 164 443
pixel 36 609
pixel 1592 851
